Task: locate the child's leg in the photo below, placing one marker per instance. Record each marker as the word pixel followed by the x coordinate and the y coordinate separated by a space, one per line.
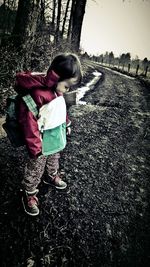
pixel 52 164
pixel 32 177
pixel 33 172
pixel 52 167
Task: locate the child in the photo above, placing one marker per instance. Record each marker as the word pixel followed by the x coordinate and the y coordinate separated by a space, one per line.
pixel 64 72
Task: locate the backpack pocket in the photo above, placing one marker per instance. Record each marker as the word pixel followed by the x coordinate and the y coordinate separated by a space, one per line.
pixel 11 125
pixel 54 140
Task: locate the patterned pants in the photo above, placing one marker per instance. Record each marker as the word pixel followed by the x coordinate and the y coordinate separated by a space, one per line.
pixel 35 168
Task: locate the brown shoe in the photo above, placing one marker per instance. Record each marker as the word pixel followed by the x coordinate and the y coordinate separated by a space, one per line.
pixel 30 203
pixel 55 181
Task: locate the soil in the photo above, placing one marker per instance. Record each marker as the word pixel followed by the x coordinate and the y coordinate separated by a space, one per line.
pixel 102 219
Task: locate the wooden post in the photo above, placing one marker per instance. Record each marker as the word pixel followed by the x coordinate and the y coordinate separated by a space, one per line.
pixel 146 70
pixel 129 67
pixel 137 68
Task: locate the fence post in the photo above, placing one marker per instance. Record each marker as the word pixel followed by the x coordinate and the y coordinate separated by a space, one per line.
pixel 146 70
pixel 137 68
pixel 129 67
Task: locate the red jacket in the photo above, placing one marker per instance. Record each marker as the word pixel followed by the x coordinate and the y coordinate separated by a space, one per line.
pixel 42 94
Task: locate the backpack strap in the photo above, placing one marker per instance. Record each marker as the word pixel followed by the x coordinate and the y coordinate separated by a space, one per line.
pixel 31 104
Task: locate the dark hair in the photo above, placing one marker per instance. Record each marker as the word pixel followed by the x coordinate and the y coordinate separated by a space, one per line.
pixel 67 66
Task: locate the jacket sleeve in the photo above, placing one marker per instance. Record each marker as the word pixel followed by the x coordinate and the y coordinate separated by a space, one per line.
pixel 29 127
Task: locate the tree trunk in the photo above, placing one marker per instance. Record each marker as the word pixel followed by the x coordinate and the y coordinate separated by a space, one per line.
pixel 71 20
pixel 42 12
pixel 65 17
pixel 25 24
pixel 78 15
pixel 57 35
pixel 54 13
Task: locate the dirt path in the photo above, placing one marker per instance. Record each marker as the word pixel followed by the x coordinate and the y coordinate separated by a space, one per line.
pixel 103 218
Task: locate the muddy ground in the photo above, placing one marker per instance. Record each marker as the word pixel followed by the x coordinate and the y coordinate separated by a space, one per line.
pixel 103 218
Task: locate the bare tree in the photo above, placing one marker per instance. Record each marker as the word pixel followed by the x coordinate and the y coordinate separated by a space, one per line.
pixel 145 63
pixel 78 14
pixel 122 60
pixel 7 16
pixel 111 57
pixel 53 13
pixel 26 23
pixel 106 57
pixel 57 35
pixel 65 17
pixel 127 58
pixel 71 20
pixel 42 12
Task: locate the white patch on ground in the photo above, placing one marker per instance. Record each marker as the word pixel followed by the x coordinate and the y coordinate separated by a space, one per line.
pixel 81 91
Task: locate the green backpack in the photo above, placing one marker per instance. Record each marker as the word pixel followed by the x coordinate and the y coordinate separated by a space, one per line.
pixel 52 126
pixel 11 125
pixel 53 140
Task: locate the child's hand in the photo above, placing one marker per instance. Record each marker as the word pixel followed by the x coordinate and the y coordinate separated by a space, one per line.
pixel 39 155
pixel 68 130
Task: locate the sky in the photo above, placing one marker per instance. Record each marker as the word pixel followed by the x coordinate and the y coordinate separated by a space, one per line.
pixel 120 26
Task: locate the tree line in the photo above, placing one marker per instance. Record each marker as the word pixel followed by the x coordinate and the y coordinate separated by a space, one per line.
pixel 122 62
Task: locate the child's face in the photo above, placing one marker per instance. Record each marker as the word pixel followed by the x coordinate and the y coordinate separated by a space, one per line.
pixel 64 86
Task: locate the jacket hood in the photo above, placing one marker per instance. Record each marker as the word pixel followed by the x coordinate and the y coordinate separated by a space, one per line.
pixel 25 81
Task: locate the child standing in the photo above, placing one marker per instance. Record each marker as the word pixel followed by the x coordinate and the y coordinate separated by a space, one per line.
pixel 64 72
